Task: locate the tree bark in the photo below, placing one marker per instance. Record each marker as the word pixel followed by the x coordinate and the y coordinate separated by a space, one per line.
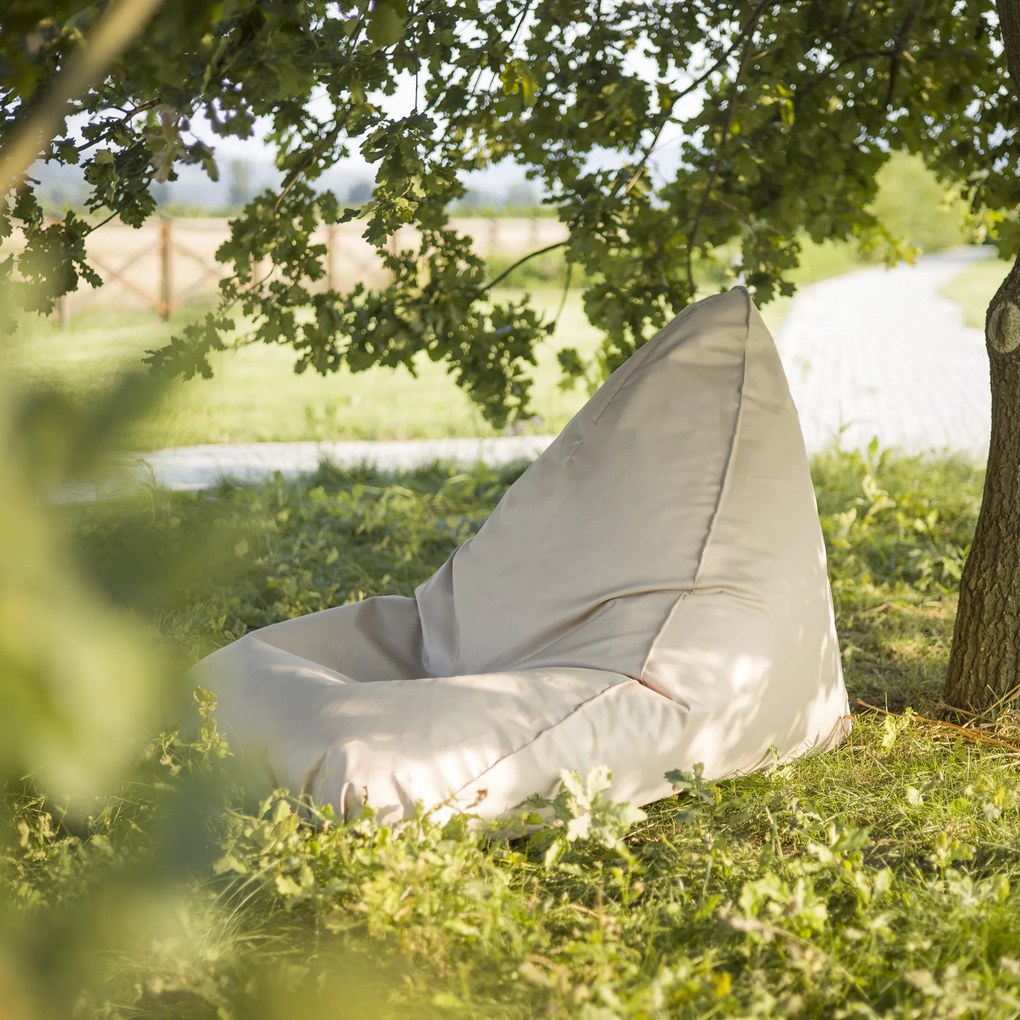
pixel 984 665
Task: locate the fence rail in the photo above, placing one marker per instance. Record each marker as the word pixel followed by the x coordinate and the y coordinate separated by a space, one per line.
pixel 168 262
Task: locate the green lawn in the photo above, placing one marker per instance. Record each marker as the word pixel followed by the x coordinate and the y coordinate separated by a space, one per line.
pixel 255 396
pixel 881 879
pixel 974 287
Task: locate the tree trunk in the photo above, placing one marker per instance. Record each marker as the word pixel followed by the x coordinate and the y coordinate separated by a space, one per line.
pixel 984 666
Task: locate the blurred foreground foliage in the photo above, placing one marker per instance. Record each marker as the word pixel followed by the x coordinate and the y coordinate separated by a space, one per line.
pixel 137 880
pixel 75 672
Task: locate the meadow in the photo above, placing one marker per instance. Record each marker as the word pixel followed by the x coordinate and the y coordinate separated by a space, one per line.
pixel 255 396
pixel 974 287
pixel 881 879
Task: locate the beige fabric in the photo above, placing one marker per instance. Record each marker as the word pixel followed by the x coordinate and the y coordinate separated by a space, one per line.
pixel 649 595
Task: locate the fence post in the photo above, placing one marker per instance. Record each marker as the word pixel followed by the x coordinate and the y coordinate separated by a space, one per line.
pixel 331 256
pixel 166 266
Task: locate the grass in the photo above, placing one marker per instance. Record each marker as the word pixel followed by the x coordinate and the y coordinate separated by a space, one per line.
pixel 881 879
pixel 972 290
pixel 255 396
pixel 878 880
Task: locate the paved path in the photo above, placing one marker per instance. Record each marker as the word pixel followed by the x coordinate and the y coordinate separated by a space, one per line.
pixel 199 467
pixel 193 467
pixel 881 353
pixel 875 353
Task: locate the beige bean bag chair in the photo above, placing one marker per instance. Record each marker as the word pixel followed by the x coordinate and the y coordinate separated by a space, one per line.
pixel 649 595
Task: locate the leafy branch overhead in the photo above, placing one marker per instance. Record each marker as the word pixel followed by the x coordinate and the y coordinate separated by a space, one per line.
pixel 683 144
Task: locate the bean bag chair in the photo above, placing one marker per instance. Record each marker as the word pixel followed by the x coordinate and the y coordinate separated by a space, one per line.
pixel 650 594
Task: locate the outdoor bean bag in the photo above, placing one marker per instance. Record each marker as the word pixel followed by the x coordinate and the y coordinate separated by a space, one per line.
pixel 650 594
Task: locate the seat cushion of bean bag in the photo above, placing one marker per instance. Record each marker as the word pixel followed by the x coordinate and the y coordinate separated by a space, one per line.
pixel 650 594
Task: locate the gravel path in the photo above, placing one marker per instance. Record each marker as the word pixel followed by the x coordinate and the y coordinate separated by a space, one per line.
pixel 877 353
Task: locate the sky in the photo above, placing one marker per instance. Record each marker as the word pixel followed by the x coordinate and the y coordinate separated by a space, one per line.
pixel 252 159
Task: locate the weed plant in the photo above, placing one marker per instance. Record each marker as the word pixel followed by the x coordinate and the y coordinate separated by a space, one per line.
pixel 881 879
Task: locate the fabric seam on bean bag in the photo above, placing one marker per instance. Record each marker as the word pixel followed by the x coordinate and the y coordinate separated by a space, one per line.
pixel 559 722
pixel 720 498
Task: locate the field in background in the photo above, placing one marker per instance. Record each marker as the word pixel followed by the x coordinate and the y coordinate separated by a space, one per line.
pixel 255 396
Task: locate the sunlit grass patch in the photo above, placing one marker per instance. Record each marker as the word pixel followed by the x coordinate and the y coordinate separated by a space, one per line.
pixel 255 395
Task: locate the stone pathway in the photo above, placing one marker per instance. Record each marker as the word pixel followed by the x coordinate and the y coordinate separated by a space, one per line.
pixel 877 353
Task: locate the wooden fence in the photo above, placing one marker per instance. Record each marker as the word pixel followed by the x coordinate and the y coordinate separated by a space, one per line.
pixel 168 262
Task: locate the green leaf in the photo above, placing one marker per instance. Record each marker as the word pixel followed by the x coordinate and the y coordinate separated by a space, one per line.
pixel 517 79
pixel 386 24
